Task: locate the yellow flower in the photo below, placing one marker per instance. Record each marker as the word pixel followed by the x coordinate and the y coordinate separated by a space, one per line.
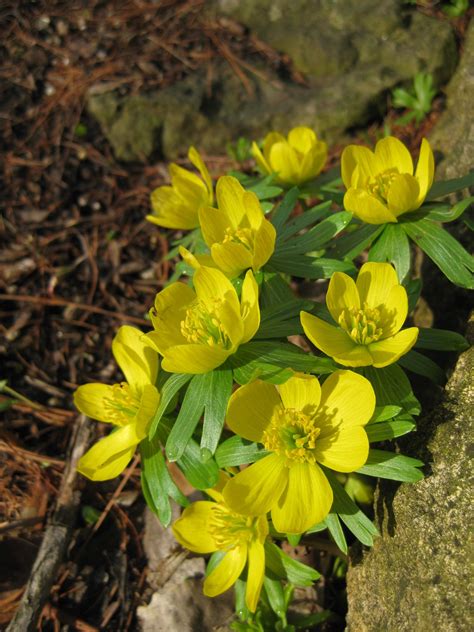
pixel 129 405
pixel 381 185
pixel 197 330
pixel 206 527
pixel 177 206
pixel 296 159
pixel 369 314
pixel 302 424
pixel 238 234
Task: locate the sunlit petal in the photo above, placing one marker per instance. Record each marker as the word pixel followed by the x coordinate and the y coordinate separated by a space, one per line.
pixel 403 194
pixel 255 574
pixel 301 392
pixel 192 528
pixel 251 408
pixel 249 308
pixel 345 450
pixel 394 311
pixel 389 350
pixel 375 282
pixel 91 400
pixel 138 361
pixel 193 358
pixel 347 400
pixel 391 152
pixel 195 158
pixel 424 171
pixel 342 292
pixel 227 571
pixel 367 208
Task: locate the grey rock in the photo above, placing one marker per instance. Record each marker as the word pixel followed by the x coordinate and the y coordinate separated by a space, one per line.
pixel 453 136
pixel 418 576
pixel 352 51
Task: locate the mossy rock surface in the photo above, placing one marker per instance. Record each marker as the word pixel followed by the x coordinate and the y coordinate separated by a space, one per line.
pixel 353 53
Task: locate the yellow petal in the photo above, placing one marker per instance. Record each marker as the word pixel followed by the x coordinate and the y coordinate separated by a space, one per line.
pixel 229 194
pixel 188 186
pixel 385 352
pixel 192 527
pixel 347 400
pixel 90 399
pixel 170 210
pixel 255 574
pixel 375 282
pixel 403 194
pixel 193 358
pixel 148 404
pixel 227 571
pixel 307 499
pixel 139 363
pixel 249 309
pixel 166 315
pixel 391 153
pixel 111 455
pixel 367 208
pixel 342 292
pixel 260 159
pixel 334 342
pixel 232 258
pixel 313 161
pixel 231 322
pixel 214 224
pixel 301 392
pixel 302 139
pixel 251 408
pixel 211 284
pixel 195 261
pixel 255 490
pixel 345 450
pixel 270 139
pixel 264 244
pixel 361 157
pixel 195 158
pixel 254 214
pixel 424 171
pixel 394 311
pixel 284 161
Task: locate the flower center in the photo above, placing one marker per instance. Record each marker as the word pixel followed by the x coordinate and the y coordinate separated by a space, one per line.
pixel 292 434
pixel 123 406
pixel 202 325
pixel 362 325
pixel 243 236
pixel 229 529
pixel 380 185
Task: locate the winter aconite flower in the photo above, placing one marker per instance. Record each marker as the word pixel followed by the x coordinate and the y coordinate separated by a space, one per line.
pixel 237 233
pixel 177 206
pixel 207 526
pixel 368 315
pixel 129 406
pixel 381 185
pixel 196 330
pixel 295 159
pixel 302 425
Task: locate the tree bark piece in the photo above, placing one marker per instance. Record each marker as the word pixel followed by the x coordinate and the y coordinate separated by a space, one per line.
pixel 56 538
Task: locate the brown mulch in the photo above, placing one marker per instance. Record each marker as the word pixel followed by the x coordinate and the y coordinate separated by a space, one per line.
pixel 77 259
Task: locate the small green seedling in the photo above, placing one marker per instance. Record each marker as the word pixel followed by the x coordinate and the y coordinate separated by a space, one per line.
pixel 418 100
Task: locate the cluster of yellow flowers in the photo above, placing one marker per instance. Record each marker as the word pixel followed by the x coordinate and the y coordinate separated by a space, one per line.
pixel 303 425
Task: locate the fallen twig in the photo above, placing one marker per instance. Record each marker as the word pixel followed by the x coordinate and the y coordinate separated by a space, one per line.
pixel 56 537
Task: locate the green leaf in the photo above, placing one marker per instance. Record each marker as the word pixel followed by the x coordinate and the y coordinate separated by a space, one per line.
pixel 439 212
pixel 168 391
pixel 354 519
pixel 284 566
pixel 441 189
pixel 413 289
pixel 201 475
pixel 309 267
pixel 383 413
pixel 395 467
pixel 393 246
pixel 392 387
pixel 441 247
pixel 315 238
pixel 440 340
pixel 157 483
pixel 310 216
pixel 275 362
pixel 275 594
pixel 237 451
pixel 320 526
pixel 350 245
pixel 389 429
pixel 421 365
pixel 335 529
pixel 188 416
pixel 285 208
pixel 282 320
pixel 274 290
pixel 219 386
